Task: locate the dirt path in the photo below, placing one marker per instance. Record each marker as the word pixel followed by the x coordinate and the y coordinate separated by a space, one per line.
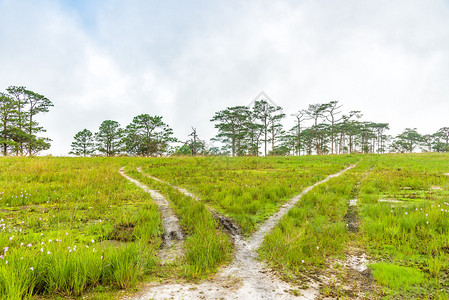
pixel 225 223
pixel 173 232
pixel 245 277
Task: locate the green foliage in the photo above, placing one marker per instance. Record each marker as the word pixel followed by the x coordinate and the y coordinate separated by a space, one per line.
pixel 147 136
pixel 58 216
pixel 109 137
pixel 314 230
pixel 84 143
pixel 404 211
pixel 397 277
pixel 247 189
pixel 207 246
pixel 19 127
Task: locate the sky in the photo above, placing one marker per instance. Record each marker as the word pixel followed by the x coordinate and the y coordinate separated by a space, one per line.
pixel 185 60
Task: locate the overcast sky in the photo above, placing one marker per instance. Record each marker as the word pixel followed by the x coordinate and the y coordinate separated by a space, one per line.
pixel 186 60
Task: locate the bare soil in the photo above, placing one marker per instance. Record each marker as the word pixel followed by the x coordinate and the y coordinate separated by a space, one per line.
pixel 173 232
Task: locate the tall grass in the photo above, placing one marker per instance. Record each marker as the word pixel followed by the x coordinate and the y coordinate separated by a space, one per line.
pixel 248 189
pixel 61 221
pixel 314 230
pixel 412 230
pixel 207 246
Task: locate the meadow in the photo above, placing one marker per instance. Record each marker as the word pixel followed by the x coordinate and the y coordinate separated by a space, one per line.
pixel 75 226
pixel 402 225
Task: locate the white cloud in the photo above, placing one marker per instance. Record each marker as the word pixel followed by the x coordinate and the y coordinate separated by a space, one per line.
pixel 187 61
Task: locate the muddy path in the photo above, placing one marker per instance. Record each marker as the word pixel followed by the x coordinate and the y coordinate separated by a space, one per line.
pixel 173 233
pixel 355 279
pixel 227 224
pixel 246 277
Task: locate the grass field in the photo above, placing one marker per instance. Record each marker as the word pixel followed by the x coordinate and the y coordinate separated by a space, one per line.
pixel 75 226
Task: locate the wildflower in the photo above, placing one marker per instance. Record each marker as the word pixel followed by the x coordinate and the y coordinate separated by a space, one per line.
pixel 42 249
pixel 427 215
pixel 303 261
pixel 92 241
pixel 66 233
pixel 70 250
pixel 48 252
pixel 1 256
pixel 102 258
pixel 427 222
pixel 6 249
pixel 42 243
pixel 317 247
pixel 21 244
pixel 10 238
pixel 32 269
pixel 405 212
pixel 49 240
pixel 94 250
pixel 87 246
pixel 6 262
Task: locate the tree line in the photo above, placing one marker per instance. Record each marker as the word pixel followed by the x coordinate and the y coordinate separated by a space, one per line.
pixel 145 136
pixel 248 130
pixel 19 132
pixel 321 128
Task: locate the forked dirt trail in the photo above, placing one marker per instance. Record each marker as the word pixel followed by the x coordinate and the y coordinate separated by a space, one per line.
pixel 173 232
pixel 245 277
pixel 225 223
